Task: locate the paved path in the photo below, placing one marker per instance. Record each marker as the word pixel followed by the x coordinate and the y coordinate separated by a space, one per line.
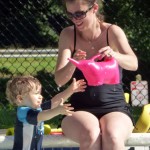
pixel 2 131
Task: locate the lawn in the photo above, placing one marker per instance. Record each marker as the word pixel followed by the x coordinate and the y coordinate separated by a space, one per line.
pixel 26 65
pixel 8 116
pixel 15 66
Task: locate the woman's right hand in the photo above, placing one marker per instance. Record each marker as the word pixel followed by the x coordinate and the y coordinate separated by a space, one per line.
pixel 79 55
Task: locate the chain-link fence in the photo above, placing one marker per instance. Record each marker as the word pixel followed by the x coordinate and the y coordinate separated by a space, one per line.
pixel 29 32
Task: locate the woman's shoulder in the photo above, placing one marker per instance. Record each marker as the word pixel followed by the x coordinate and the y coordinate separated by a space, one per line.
pixel 111 27
pixel 68 31
pixel 114 30
pixel 66 38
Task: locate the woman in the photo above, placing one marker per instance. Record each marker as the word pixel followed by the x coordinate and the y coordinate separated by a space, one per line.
pixel 102 120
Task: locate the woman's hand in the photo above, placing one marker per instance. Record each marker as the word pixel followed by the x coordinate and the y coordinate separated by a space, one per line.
pixel 106 51
pixel 79 55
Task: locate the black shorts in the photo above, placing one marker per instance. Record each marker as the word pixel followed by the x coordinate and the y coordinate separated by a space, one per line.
pixel 101 100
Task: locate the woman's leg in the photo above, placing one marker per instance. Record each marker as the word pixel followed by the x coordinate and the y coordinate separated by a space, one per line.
pixel 116 128
pixel 83 127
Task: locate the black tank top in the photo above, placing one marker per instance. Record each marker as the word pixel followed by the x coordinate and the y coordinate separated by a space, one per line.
pixel 100 98
pixel 78 74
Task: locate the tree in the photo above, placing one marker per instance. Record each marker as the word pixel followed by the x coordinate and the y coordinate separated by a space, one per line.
pixel 133 17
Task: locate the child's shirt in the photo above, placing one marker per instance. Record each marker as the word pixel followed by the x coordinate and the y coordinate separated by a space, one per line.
pixel 28 132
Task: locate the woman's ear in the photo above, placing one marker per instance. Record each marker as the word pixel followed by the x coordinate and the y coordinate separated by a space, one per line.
pixel 95 7
pixel 19 99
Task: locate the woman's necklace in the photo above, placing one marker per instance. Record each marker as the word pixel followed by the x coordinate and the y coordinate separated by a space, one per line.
pixel 92 47
pixel 93 42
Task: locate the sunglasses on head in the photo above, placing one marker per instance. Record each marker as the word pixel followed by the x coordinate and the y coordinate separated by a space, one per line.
pixel 78 15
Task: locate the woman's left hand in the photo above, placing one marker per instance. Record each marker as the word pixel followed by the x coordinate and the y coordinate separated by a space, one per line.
pixel 106 51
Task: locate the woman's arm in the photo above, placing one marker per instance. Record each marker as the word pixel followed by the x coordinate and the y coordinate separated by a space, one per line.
pixel 64 69
pixel 120 49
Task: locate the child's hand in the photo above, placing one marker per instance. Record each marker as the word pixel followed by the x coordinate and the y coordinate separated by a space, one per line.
pixel 78 86
pixel 75 86
pixel 65 109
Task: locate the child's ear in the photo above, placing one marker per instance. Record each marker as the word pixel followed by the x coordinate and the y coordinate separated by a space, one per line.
pixel 19 99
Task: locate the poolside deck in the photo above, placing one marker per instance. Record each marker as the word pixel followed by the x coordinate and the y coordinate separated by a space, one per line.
pixel 3 131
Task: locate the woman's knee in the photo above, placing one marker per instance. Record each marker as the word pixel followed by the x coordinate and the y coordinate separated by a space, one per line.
pixel 113 138
pixel 90 134
pixel 90 138
pixel 116 127
pixel 82 129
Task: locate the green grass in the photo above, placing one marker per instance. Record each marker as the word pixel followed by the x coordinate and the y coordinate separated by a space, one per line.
pixel 8 116
pixel 17 66
pixel 136 111
pixel 26 65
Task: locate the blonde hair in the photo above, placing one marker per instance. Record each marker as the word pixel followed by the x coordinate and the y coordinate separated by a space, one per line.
pixel 19 85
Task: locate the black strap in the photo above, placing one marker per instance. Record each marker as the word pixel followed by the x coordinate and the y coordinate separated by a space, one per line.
pixel 107 35
pixel 74 39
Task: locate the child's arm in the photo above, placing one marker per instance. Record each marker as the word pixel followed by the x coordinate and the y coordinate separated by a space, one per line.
pixel 63 109
pixel 76 86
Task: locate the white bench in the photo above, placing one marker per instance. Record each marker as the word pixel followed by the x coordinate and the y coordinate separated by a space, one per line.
pixel 136 139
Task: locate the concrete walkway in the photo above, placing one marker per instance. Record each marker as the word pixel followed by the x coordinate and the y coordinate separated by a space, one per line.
pixel 3 131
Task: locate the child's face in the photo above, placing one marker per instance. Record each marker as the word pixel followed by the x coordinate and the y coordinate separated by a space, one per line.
pixel 33 98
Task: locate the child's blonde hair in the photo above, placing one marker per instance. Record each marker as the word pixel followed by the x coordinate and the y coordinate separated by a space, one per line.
pixel 19 85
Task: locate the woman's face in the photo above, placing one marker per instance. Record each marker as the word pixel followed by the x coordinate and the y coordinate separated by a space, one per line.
pixel 81 14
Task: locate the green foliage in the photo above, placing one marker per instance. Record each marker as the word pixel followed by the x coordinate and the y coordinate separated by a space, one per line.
pixel 49 89
pixel 31 23
pixel 133 17
pixel 42 68
pixel 7 117
pixel 28 23
pixel 39 23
